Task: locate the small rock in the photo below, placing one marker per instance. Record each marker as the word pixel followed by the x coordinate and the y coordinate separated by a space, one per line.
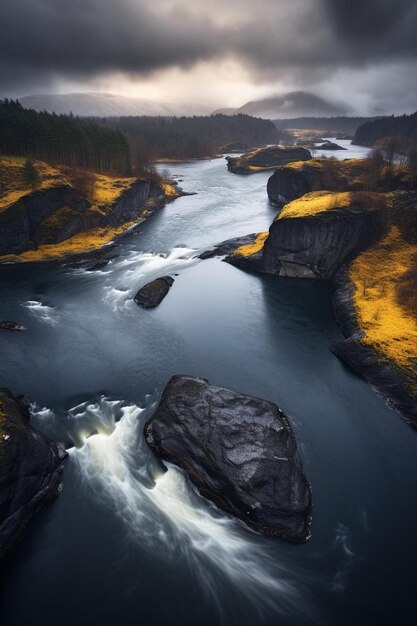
pixel 9 325
pixel 154 292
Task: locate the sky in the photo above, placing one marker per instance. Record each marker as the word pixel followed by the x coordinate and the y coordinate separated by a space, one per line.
pixel 359 53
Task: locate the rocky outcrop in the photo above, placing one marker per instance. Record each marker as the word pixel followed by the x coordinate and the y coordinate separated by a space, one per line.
pixel 53 215
pixel 317 246
pixel 227 247
pixel 152 294
pixel 383 375
pixel 290 182
pixel 266 158
pixel 239 451
pixel 30 469
pixel 330 145
pixel 287 184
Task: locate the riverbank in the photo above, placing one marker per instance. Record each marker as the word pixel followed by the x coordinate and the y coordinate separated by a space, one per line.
pixel 64 218
pixel 366 243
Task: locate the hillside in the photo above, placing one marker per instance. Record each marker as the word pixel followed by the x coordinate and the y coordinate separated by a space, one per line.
pixel 106 105
pixel 290 105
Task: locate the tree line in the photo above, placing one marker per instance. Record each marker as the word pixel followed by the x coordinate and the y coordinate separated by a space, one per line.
pixel 340 124
pixel 402 127
pixel 154 138
pixel 124 145
pixel 62 140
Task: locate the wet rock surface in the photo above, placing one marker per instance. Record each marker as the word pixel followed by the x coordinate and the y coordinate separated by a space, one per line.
pixel 31 468
pixel 152 294
pixel 238 450
pixel 10 325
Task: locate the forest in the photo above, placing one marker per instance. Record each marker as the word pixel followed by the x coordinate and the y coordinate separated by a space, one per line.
pixel 402 127
pixel 123 145
pixel 62 140
pixel 154 138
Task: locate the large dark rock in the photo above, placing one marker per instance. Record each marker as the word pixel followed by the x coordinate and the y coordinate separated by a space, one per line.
pixel 239 451
pixel 317 246
pixel 30 469
pixel 152 294
pixel 266 158
pixel 287 184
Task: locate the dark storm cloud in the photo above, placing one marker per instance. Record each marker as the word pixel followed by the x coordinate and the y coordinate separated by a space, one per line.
pixel 375 27
pixel 80 39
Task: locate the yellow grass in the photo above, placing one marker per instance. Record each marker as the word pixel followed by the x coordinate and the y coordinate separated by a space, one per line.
pixel 169 190
pixel 107 189
pixel 387 325
pixel 86 241
pixel 252 248
pixel 12 185
pixel 316 202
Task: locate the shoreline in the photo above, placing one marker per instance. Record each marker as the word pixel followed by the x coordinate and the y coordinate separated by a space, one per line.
pixel 61 252
pixel 386 378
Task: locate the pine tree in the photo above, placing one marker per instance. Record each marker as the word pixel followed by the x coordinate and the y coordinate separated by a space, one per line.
pixel 31 175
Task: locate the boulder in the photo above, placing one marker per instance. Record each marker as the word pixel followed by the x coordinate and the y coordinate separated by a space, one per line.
pixel 31 468
pixel 238 450
pixel 330 145
pixel 152 294
pixel 266 159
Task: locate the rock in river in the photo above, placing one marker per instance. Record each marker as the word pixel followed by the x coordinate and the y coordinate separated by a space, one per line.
pixel 238 450
pixel 152 294
pixel 10 325
pixel 30 469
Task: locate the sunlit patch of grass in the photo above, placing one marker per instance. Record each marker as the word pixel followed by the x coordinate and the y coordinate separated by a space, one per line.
pixel 12 186
pixel 317 202
pixel 169 190
pixel 252 248
pixel 86 241
pixel 388 324
pixel 107 189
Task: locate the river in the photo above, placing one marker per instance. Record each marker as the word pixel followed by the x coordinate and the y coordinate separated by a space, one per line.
pixel 125 544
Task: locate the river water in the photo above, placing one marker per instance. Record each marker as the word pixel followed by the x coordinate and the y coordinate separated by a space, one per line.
pixel 126 544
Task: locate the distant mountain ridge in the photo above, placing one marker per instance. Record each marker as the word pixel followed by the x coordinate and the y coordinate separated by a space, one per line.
pixel 106 105
pixel 290 105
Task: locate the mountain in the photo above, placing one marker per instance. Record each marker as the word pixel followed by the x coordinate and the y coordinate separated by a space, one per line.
pixel 106 105
pixel 293 104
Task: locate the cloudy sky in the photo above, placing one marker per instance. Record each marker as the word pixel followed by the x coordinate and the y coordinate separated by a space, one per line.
pixel 362 53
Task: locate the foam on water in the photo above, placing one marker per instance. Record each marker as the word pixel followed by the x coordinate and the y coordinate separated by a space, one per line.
pixel 138 268
pixel 163 512
pixel 42 312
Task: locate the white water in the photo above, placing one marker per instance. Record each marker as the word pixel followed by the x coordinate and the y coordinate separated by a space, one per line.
pixel 42 312
pixel 163 512
pixel 138 268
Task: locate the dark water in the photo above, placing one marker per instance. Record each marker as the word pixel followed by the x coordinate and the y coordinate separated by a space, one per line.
pixel 118 547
